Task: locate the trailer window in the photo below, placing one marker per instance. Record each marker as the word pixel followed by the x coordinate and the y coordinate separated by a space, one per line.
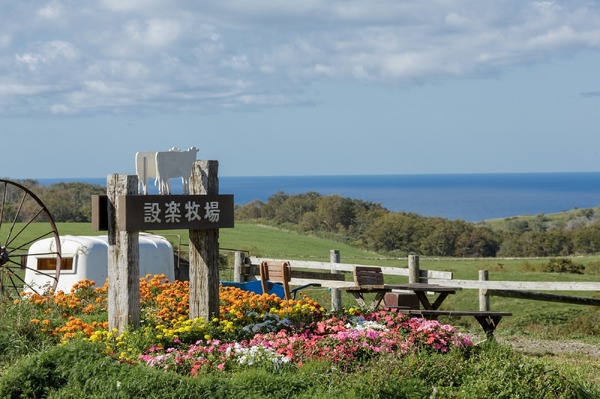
pixel 50 264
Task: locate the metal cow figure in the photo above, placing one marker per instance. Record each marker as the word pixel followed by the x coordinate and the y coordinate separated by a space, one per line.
pixel 145 168
pixel 173 164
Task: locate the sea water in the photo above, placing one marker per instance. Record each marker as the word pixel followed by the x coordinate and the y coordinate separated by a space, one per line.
pixel 470 197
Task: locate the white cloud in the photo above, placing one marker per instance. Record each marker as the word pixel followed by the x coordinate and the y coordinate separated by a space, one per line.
pixel 47 53
pixel 189 55
pixel 7 90
pixel 52 10
pixel 153 32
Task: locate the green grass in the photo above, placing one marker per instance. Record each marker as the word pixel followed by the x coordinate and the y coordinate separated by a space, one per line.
pixel 79 369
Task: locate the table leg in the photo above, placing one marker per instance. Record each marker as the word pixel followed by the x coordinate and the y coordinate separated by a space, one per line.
pixel 489 324
pixel 359 298
pixel 377 300
pixel 439 300
pixel 423 299
pixel 427 304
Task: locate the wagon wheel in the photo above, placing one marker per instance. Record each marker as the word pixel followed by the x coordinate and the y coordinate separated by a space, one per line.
pixel 24 219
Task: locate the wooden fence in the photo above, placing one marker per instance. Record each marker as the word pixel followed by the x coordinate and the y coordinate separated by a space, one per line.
pixel 246 269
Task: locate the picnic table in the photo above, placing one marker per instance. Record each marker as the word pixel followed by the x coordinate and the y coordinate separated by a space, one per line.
pixel 421 290
pixel 369 280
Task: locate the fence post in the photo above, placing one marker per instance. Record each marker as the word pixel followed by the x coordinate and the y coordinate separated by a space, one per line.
pixel 336 294
pixel 123 259
pixel 484 298
pixel 204 248
pixel 413 269
pixel 238 265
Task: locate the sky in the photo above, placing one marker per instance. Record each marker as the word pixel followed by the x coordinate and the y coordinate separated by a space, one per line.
pixel 282 88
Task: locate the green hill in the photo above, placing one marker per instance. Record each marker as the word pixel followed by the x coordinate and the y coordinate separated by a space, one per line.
pixel 568 220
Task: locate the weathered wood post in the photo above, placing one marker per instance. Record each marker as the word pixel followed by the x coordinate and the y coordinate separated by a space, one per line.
pixel 336 294
pixel 204 248
pixel 123 259
pixel 413 269
pixel 484 298
pixel 238 267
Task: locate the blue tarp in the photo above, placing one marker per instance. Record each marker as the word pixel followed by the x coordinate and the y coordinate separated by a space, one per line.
pixel 255 286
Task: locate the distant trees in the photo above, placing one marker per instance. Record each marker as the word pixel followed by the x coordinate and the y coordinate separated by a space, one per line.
pixel 370 226
pixel 70 202
pixel 66 202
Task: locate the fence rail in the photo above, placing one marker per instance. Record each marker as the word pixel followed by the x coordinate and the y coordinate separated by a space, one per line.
pixel 522 285
pixel 515 289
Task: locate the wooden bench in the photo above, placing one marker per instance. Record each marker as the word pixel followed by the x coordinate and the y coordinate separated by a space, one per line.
pixel 488 320
pixel 368 280
pixel 273 272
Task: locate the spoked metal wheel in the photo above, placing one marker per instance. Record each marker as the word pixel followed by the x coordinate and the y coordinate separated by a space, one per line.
pixel 24 219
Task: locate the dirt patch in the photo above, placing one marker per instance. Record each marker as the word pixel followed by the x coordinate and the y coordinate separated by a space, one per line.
pixel 529 345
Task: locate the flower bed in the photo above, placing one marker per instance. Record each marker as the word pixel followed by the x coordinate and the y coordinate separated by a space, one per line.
pixel 251 330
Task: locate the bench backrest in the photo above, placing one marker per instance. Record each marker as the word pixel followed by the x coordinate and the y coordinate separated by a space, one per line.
pixel 365 275
pixel 277 272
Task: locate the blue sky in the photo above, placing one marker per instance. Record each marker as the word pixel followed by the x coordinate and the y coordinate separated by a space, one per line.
pixel 300 88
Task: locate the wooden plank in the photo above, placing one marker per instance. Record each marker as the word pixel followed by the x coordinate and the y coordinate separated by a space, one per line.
pixel 365 275
pixel 324 283
pixel 540 296
pixel 317 275
pixel 458 312
pixel 524 285
pixel 349 267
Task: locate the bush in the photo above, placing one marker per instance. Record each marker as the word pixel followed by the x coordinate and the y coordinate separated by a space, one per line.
pixel 563 265
pixel 79 369
pixel 18 336
pixel 593 268
pixel 502 373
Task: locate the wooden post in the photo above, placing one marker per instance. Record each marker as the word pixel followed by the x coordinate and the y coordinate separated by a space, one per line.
pixel 484 298
pixel 336 294
pixel 413 269
pixel 238 265
pixel 123 260
pixel 204 248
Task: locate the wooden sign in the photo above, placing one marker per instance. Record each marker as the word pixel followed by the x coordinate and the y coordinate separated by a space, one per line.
pixel 174 212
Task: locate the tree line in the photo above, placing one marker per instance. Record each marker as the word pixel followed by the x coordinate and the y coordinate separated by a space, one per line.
pixel 66 202
pixel 370 226
pixel 362 224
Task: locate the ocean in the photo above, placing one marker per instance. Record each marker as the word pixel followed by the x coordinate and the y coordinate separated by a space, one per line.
pixel 469 197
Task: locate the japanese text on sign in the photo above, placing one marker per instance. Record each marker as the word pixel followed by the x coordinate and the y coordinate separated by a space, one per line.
pixel 177 211
pixel 172 212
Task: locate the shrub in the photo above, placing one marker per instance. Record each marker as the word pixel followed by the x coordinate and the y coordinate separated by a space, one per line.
pixel 563 265
pixel 79 369
pixel 593 268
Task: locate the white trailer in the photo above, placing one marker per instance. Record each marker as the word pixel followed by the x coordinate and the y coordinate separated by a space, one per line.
pixel 86 257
